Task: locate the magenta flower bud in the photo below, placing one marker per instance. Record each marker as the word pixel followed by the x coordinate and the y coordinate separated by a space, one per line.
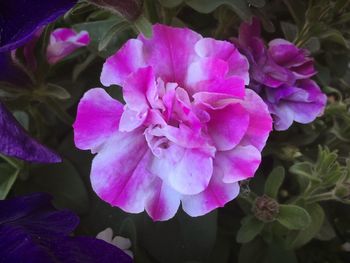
pixel 131 9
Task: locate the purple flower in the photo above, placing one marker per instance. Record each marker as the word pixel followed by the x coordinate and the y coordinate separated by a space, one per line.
pixel 20 19
pixel 31 230
pixel 280 74
pixel 15 142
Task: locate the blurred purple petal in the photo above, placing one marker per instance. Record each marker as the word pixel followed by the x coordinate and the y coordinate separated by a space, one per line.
pixel 15 142
pixel 32 231
pixel 20 19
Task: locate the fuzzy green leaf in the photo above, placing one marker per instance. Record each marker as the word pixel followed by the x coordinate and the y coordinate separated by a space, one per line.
pixel 293 217
pixel 274 182
pixel 250 228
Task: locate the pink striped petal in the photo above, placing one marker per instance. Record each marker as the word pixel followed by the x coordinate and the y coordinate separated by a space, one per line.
pixel 130 120
pixel 97 119
pixel 205 69
pixel 260 122
pixel 136 87
pixel 170 51
pixel 237 63
pixel 238 164
pixel 227 126
pixel 162 202
pixel 217 194
pixel 188 171
pixel 119 66
pixel 120 171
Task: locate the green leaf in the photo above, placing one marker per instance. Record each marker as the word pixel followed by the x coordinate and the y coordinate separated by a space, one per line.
pixel 300 238
pixel 56 91
pixel 293 217
pixel 240 7
pixel 8 176
pixel 144 26
pixel 111 33
pixel 297 8
pixel 97 30
pixel 304 169
pixel 290 30
pixel 326 231
pixel 250 228
pixel 60 180
pixel 335 36
pixel 274 182
pixel 313 44
pixel 79 68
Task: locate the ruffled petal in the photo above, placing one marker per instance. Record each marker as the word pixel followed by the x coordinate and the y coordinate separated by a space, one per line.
pixel 238 164
pixel 260 121
pixel 119 66
pixel 188 171
pixel 283 116
pixel 211 75
pixel 217 194
pixel 170 51
pixel 163 201
pixel 227 126
pixel 120 171
pixel 237 63
pixel 97 119
pixel 136 88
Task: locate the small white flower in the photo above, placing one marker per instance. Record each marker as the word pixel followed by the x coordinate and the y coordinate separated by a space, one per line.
pixel 346 246
pixel 118 241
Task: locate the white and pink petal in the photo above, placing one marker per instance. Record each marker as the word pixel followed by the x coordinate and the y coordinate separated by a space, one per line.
pixel 98 117
pixel 120 171
pixel 217 194
pixel 126 61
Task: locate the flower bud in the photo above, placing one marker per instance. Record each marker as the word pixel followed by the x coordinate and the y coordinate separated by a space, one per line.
pixel 130 9
pixel 265 208
pixel 342 191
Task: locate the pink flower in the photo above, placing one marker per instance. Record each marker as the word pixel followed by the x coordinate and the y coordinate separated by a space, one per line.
pixel 188 133
pixel 63 42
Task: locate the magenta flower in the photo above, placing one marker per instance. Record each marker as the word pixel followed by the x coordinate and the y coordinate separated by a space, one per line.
pixel 280 74
pixel 188 133
pixel 63 42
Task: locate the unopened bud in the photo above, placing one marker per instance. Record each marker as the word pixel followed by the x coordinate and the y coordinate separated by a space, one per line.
pixel 265 208
pixel 342 191
pixel 130 9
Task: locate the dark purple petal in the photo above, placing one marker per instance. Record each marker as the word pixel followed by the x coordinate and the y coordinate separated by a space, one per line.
pixel 20 19
pixel 15 142
pixel 32 231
